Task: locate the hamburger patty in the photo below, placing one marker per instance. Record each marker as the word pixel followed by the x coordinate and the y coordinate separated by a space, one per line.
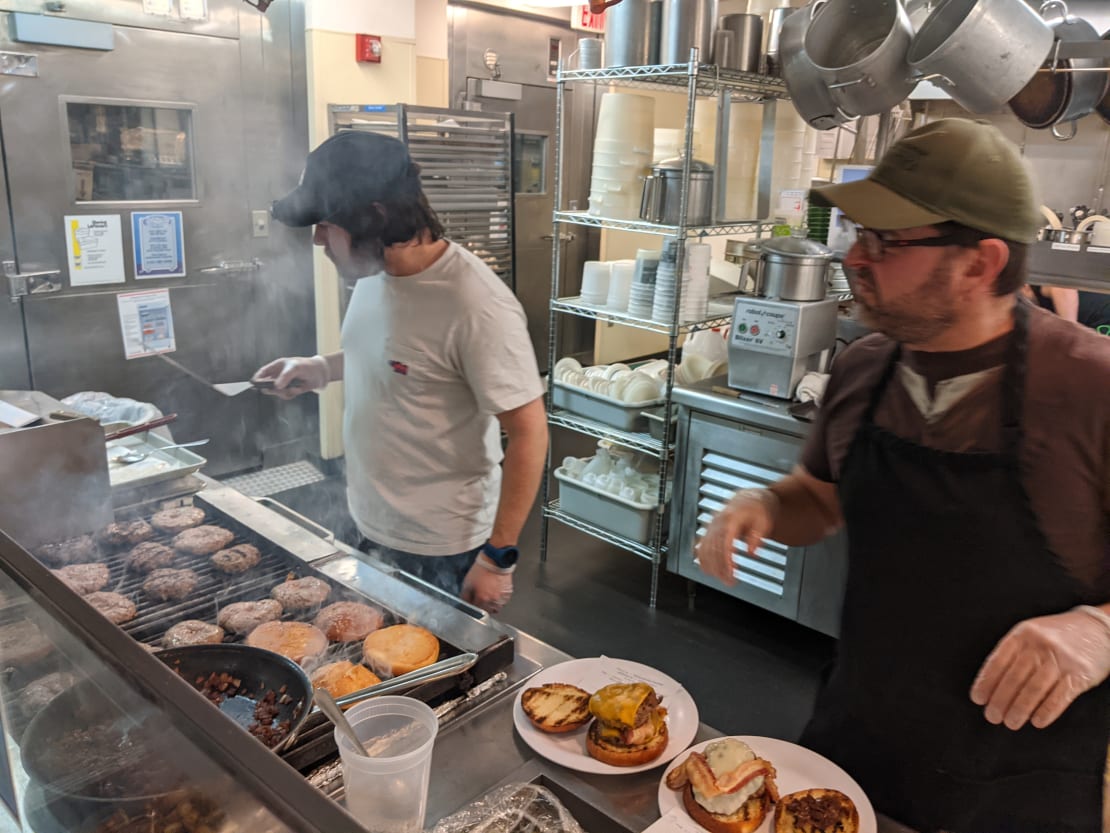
pixel 203 540
pixel 173 521
pixel 244 617
pixel 193 632
pixel 40 692
pixel 79 550
pixel 125 533
pixel 348 621
pixel 22 643
pixel 84 578
pixel 170 585
pixel 150 555
pixel 301 593
pixel 236 559
pixel 113 607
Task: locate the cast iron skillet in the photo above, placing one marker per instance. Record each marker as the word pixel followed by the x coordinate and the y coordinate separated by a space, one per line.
pixel 93 749
pixel 258 670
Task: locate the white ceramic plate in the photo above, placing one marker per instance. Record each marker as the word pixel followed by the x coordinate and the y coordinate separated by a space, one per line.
pixel 569 749
pixel 797 768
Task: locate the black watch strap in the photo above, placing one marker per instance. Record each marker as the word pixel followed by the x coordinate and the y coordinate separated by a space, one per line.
pixel 503 557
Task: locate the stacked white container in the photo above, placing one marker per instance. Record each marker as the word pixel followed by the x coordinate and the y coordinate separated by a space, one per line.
pixel 695 283
pixel 641 295
pixel 620 284
pixel 622 155
pixel 595 282
pixel 666 280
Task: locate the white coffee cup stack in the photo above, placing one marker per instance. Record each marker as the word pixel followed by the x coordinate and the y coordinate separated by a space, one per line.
pixel 642 292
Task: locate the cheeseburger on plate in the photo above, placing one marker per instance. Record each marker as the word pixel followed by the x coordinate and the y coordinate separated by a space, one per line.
pixel 629 728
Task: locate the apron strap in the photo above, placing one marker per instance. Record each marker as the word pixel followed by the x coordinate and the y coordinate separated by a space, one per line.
pixel 881 385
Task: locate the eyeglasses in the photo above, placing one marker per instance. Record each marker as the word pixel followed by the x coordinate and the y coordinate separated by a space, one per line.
pixel 874 245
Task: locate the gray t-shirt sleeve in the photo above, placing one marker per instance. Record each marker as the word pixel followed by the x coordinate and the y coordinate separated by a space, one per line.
pixel 497 358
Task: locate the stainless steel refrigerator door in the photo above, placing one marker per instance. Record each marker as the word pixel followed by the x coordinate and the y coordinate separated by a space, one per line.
pixel 180 84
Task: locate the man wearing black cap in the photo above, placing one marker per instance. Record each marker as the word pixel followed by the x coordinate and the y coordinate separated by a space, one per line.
pixel 965 447
pixel 436 359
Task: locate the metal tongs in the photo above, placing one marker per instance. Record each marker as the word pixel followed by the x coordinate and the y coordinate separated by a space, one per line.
pixel 437 671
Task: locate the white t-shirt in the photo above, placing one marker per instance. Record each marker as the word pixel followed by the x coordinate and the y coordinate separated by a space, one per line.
pixel 429 360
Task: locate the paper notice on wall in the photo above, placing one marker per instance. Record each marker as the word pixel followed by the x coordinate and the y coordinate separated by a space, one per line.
pixel 146 321
pixel 158 244
pixel 94 243
pixel 194 9
pixel 162 8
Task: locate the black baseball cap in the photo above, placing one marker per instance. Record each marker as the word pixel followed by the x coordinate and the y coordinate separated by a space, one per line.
pixel 344 175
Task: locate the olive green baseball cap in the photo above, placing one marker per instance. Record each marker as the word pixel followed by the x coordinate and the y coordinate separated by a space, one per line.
pixel 949 170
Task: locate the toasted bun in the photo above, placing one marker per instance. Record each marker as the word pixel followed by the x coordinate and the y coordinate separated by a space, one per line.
pixel 343 677
pixel 299 641
pixel 400 649
pixel 556 707
pixel 787 812
pixel 617 754
pixel 745 820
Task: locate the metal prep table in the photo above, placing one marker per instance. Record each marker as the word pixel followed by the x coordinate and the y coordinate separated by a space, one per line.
pixel 730 442
pixel 482 751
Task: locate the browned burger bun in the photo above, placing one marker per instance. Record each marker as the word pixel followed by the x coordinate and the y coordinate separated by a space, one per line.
pixel 399 649
pixel 727 789
pixel 556 707
pixel 343 677
pixel 816 811
pixel 629 728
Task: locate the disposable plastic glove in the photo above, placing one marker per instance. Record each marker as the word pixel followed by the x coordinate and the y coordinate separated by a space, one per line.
pixel 295 375
pixel 488 586
pixel 1040 667
pixel 750 517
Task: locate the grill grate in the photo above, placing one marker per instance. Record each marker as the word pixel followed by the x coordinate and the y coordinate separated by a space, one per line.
pixel 216 589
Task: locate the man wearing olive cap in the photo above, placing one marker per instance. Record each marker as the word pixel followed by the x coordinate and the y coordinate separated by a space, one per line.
pixel 436 362
pixel 965 446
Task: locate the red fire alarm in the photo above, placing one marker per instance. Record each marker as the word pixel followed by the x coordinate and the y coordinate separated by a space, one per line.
pixel 368 49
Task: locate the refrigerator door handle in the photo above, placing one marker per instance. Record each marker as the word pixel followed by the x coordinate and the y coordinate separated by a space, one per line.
pixel 29 283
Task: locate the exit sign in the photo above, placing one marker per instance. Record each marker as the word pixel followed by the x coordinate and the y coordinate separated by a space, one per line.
pixel 584 20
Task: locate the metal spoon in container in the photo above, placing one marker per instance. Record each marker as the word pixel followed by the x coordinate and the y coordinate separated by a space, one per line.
pixel 335 714
pixel 139 456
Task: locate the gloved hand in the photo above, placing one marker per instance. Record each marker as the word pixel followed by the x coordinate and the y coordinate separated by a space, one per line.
pixel 1040 667
pixel 749 516
pixel 294 376
pixel 488 586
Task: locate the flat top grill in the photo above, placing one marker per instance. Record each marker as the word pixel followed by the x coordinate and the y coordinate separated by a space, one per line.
pixel 216 589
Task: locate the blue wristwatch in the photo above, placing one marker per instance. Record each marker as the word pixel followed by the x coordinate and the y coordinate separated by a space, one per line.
pixel 503 557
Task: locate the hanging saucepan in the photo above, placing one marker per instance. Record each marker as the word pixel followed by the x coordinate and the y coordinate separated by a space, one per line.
pixel 1053 98
pixel 859 48
pixel 808 93
pixel 1103 107
pixel 981 52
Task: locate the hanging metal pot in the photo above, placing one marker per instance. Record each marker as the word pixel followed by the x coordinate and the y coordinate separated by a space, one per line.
pixel 981 52
pixel 859 48
pixel 1055 98
pixel 808 92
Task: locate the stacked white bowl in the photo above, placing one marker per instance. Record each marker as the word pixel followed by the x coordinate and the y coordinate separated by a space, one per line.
pixel 642 292
pixel 595 282
pixel 622 155
pixel 694 283
pixel 662 305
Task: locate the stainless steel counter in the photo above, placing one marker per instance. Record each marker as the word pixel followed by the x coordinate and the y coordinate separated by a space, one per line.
pixel 747 408
pixel 482 751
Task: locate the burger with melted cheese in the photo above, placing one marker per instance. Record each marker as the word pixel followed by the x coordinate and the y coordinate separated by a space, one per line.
pixel 629 727
pixel 727 789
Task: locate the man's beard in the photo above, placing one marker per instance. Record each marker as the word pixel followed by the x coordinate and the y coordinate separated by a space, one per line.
pixel 916 318
pixel 367 259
